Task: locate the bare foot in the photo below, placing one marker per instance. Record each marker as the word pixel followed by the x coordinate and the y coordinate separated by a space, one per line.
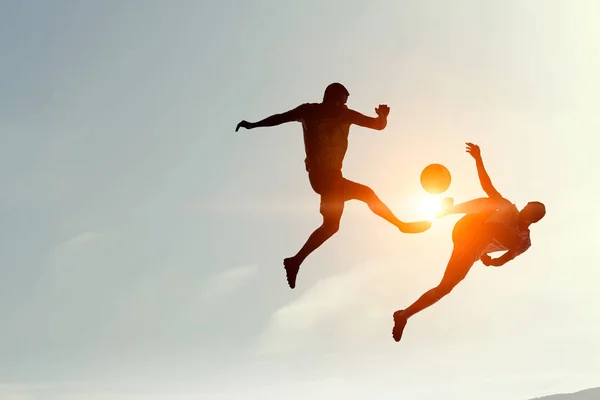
pixel 414 227
pixel 399 324
pixel 292 266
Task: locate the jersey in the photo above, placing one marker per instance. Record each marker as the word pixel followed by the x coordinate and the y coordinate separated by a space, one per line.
pixel 508 234
pixel 326 131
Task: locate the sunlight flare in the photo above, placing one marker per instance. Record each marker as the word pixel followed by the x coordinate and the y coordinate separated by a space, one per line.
pixel 429 206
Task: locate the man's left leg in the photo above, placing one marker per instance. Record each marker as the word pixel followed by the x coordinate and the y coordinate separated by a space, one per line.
pixel 458 267
pixel 365 194
pixel 331 208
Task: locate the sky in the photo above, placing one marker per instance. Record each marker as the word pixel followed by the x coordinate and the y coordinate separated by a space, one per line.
pixel 141 238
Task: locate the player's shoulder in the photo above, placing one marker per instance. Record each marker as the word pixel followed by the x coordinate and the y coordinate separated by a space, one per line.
pixel 349 115
pixel 506 204
pixel 306 109
pixel 302 112
pixel 309 105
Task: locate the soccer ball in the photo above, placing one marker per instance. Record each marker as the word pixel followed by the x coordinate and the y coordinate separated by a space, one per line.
pixel 435 179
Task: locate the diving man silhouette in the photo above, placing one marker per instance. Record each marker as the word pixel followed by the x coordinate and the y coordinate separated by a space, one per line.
pixel 491 224
pixel 326 126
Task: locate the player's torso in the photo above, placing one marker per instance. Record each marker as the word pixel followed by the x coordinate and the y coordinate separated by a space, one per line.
pixel 493 231
pixel 506 231
pixel 326 137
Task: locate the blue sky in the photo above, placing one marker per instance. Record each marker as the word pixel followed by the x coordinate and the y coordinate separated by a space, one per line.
pixel 142 238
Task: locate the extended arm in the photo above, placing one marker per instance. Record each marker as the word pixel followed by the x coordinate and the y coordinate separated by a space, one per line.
pixel 274 120
pixel 484 178
pixel 379 123
pixel 486 182
pixel 500 261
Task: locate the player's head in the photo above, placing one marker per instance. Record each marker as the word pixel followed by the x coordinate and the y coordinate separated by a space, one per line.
pixel 533 212
pixel 336 94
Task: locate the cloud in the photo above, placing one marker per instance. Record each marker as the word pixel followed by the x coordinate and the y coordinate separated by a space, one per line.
pixel 351 301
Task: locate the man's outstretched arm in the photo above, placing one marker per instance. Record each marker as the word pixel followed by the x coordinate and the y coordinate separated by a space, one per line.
pixel 277 119
pixel 484 178
pixel 503 259
pixel 379 123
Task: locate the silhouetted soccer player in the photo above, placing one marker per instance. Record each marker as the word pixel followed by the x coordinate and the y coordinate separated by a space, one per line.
pixel 491 224
pixel 326 126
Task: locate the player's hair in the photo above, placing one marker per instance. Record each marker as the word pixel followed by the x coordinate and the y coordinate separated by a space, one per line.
pixel 334 91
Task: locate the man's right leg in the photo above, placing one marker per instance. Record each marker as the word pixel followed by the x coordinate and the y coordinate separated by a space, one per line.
pixel 475 206
pixel 365 194
pixel 459 265
pixel 332 207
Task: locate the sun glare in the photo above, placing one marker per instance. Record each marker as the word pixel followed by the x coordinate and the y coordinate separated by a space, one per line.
pixel 429 206
pixel 423 207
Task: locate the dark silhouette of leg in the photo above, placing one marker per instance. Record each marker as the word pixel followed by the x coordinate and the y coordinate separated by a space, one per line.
pixel 332 207
pixel 459 265
pixel 365 194
pixel 335 190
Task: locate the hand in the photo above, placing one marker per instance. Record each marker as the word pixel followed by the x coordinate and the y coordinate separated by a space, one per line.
pixel 487 260
pixel 383 110
pixel 474 151
pixel 244 124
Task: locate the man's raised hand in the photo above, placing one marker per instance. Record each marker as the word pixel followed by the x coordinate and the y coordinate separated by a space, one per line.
pixel 383 110
pixel 474 151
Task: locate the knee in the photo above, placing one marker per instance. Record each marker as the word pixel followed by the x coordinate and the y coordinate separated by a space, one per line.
pixel 367 194
pixel 445 288
pixel 330 227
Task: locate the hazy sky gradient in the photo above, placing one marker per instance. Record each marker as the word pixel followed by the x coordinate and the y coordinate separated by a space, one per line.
pixel 142 238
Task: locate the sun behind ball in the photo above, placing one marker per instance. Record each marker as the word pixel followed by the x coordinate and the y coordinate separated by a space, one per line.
pixel 435 179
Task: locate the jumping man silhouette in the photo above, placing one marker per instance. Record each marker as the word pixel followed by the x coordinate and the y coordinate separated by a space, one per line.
pixel 326 126
pixel 491 224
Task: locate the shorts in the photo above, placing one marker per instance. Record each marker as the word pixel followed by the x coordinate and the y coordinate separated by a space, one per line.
pixel 327 182
pixel 334 189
